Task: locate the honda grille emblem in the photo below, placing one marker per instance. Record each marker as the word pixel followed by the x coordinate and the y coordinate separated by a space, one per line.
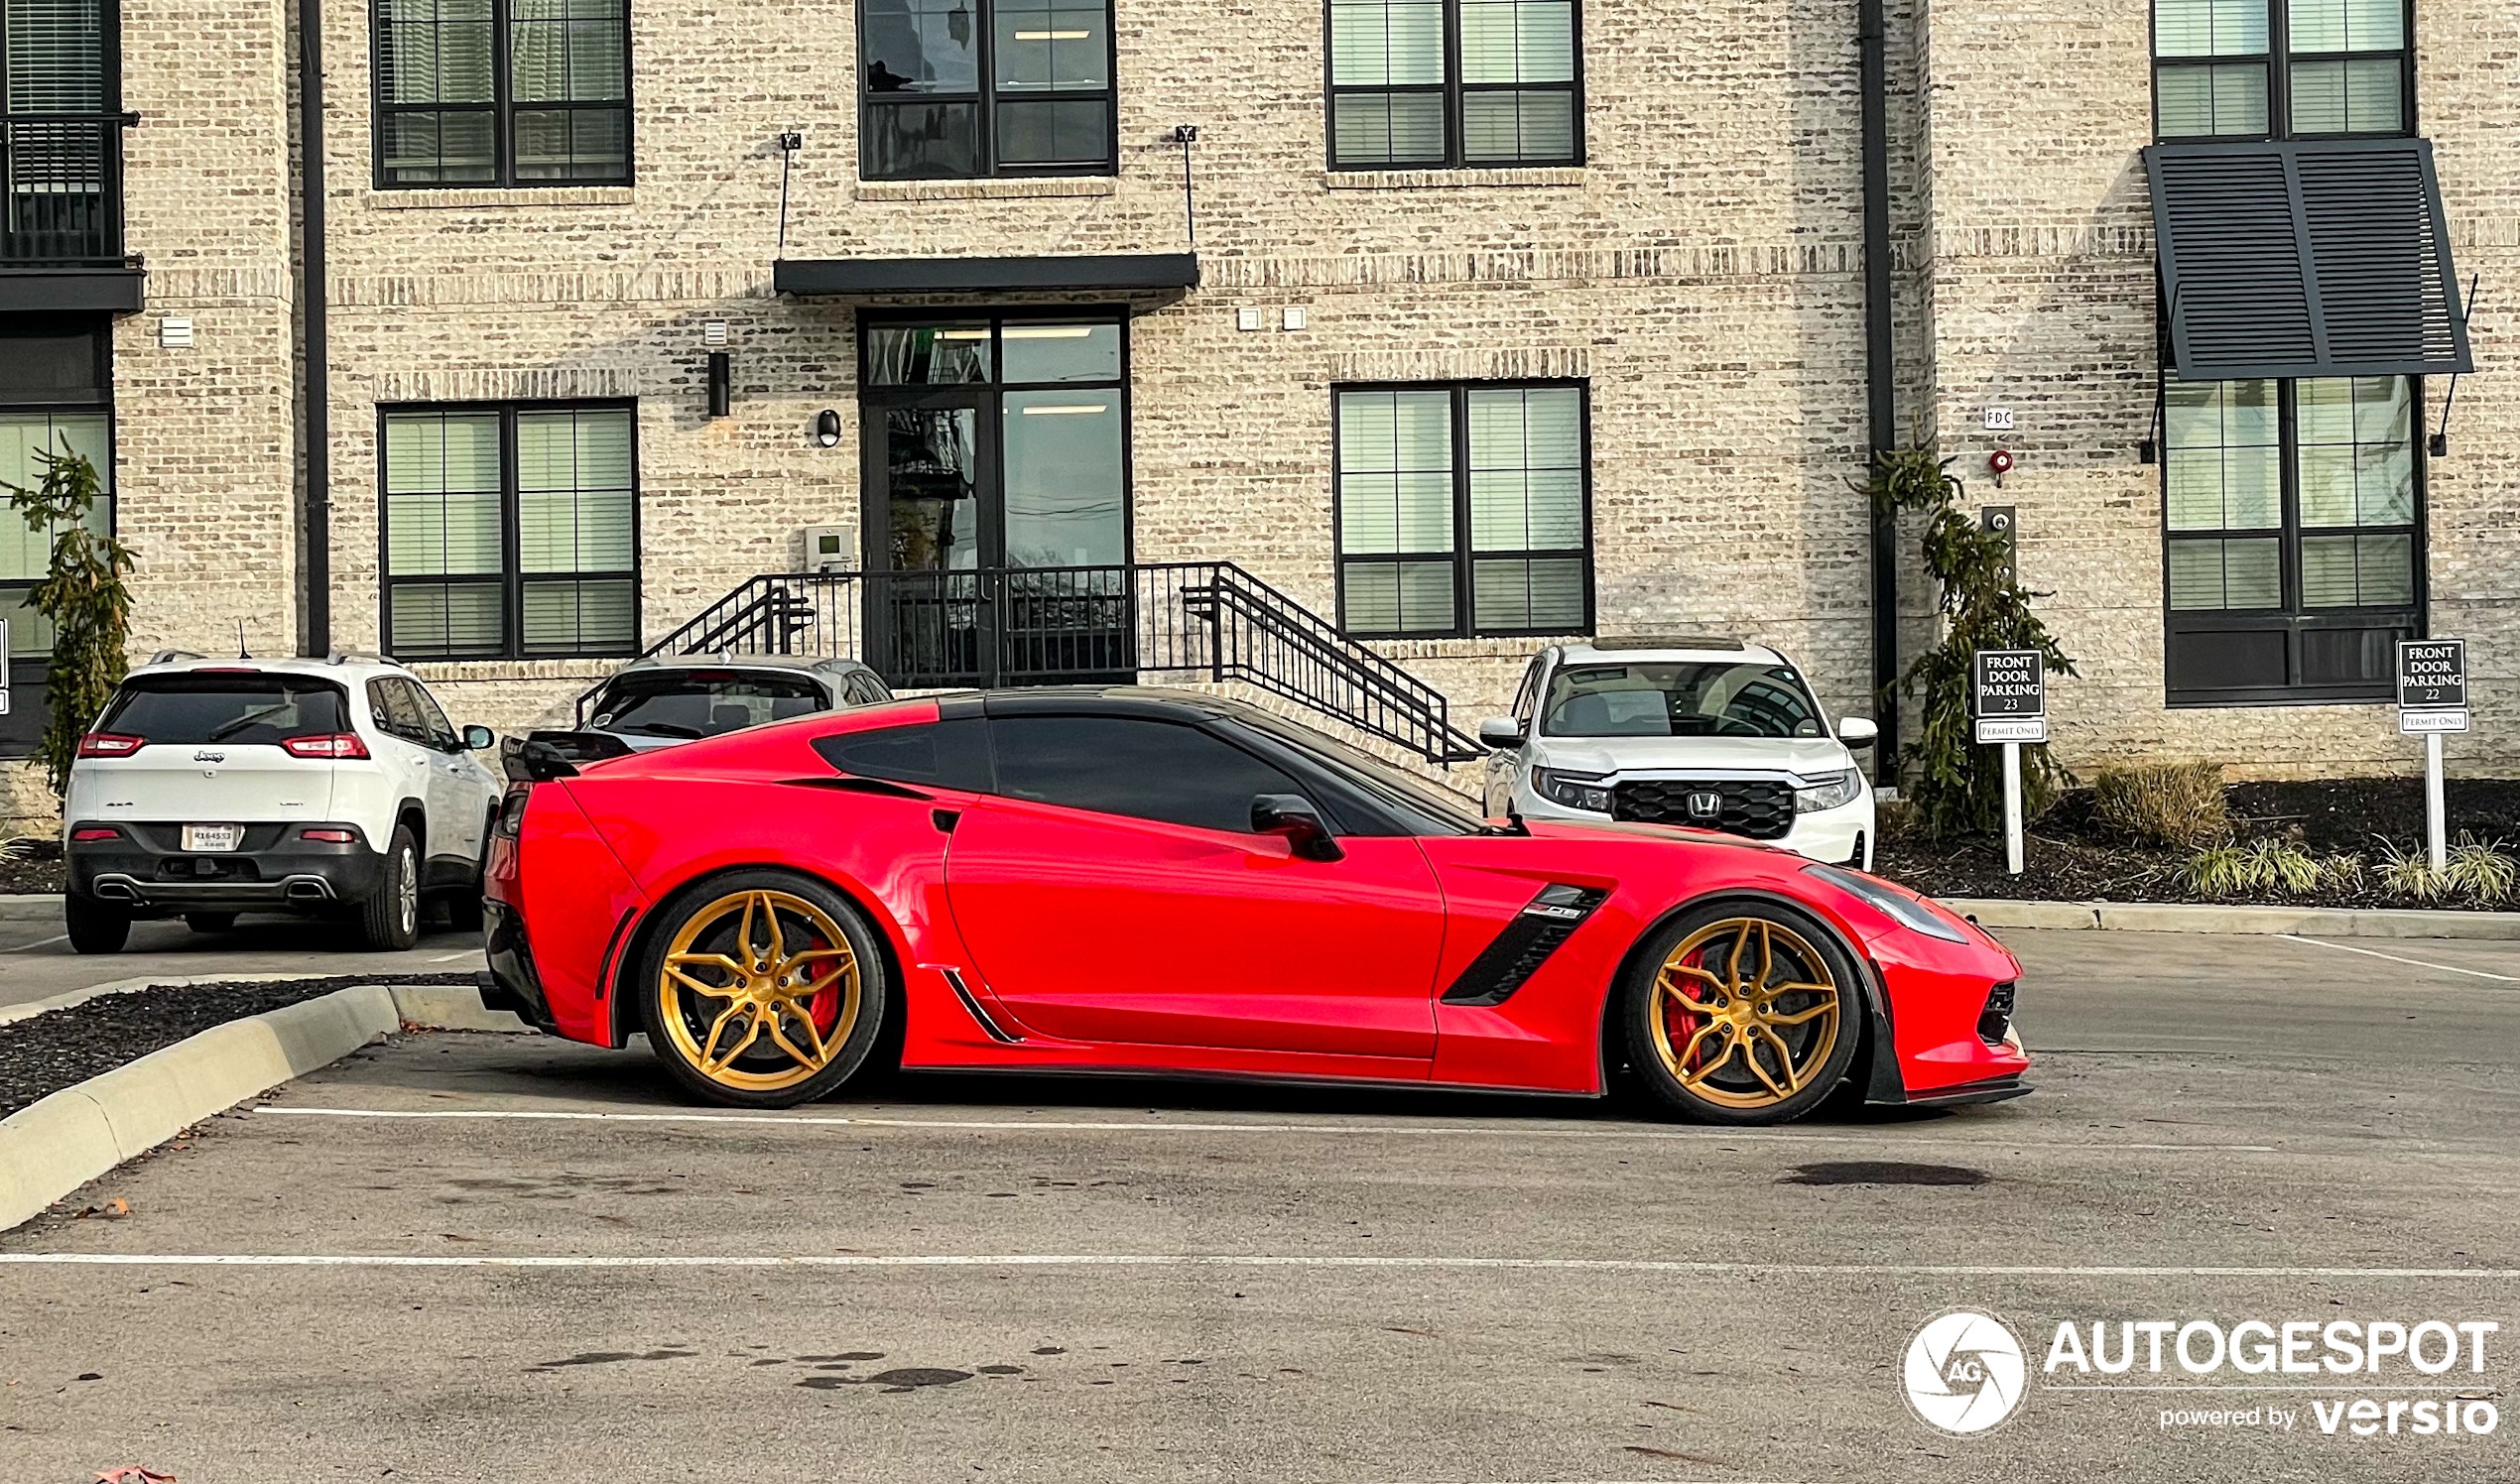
pixel 1705 804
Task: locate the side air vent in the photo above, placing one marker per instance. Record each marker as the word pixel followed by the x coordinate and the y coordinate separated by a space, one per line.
pixel 1535 932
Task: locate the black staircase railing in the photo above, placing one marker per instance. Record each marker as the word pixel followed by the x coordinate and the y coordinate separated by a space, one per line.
pixel 1099 625
pixel 63 176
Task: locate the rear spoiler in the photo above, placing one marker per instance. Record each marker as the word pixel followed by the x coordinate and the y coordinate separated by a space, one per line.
pixel 544 757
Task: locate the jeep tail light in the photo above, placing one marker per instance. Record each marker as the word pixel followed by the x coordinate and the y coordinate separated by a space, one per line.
pixel 110 745
pixel 96 832
pixel 330 836
pixel 329 745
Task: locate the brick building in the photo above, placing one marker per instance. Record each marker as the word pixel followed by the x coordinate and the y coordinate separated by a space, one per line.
pixel 1460 324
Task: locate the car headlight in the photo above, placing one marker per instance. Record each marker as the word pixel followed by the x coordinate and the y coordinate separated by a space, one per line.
pixel 1903 910
pixel 1576 790
pixel 1832 791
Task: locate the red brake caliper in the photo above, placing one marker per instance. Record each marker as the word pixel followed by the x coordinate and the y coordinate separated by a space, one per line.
pixel 824 1007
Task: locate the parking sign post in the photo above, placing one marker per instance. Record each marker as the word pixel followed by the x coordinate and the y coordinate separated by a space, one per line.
pixel 2432 704
pixel 4 667
pixel 2008 701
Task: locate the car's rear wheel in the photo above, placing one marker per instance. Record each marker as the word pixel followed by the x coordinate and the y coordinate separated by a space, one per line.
pixel 209 921
pixel 95 926
pixel 762 989
pixel 1744 1013
pixel 389 919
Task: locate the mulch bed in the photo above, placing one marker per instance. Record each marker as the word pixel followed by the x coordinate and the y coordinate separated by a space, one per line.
pixel 59 1049
pixel 42 869
pixel 2068 857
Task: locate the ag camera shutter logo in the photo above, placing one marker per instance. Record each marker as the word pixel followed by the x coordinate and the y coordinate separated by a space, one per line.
pixel 1965 1373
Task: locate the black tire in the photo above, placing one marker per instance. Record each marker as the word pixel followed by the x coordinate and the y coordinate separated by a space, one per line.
pixel 389 919
pixel 770 1074
pixel 209 921
pixel 95 926
pixel 1788 1073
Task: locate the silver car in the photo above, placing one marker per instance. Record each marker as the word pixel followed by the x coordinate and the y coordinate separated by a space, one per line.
pixel 664 701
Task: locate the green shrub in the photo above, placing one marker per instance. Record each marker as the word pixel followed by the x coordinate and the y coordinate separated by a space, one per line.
pixel 2265 866
pixel 2178 805
pixel 2223 871
pixel 84 598
pixel 1956 784
pixel 2284 866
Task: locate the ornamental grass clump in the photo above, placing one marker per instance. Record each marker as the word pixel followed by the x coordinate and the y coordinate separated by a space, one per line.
pixel 2481 869
pixel 2280 866
pixel 2410 873
pixel 2177 805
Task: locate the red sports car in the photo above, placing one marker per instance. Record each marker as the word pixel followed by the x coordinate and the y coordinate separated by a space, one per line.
pixel 1159 881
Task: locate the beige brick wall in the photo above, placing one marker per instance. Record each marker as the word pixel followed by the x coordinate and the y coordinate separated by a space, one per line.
pixel 1703 272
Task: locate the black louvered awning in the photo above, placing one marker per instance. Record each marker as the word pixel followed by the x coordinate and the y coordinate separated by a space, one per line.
pixel 2301 258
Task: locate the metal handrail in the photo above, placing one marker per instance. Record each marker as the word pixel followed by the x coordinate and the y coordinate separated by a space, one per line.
pixel 998 626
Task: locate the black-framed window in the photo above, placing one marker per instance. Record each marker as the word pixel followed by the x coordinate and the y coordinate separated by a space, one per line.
pixel 1454 84
pixel 2292 538
pixel 57 398
pixel 997 439
pixel 1464 508
pixel 954 89
pixel 2283 68
pixel 511 530
pixel 502 92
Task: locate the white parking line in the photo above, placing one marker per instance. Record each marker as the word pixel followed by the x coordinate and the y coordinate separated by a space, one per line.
pixel 451 958
pixel 1017 1125
pixel 1210 1259
pixel 2446 968
pixel 41 942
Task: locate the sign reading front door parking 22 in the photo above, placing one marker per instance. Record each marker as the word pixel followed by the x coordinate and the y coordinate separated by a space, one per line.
pixel 2432 685
pixel 2008 696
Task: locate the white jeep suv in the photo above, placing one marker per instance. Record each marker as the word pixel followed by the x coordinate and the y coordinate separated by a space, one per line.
pixel 214 787
pixel 1710 733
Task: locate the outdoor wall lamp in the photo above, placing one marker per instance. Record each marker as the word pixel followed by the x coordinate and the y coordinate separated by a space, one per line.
pixel 827 429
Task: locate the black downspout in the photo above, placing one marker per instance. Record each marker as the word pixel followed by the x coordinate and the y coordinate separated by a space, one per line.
pixel 1881 376
pixel 314 635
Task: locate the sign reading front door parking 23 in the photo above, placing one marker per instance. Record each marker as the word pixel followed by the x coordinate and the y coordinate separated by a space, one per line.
pixel 2008 696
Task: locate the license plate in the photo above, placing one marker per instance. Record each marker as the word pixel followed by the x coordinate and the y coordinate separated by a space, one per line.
pixel 214 836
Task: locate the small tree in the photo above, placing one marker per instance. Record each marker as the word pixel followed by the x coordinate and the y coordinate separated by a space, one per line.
pixel 1956 786
pixel 85 597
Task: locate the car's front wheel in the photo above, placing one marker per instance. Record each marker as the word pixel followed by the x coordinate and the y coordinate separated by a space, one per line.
pixel 95 926
pixel 1744 1013
pixel 762 989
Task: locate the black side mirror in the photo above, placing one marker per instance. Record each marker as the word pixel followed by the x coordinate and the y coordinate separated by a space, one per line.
pixel 479 739
pixel 1292 817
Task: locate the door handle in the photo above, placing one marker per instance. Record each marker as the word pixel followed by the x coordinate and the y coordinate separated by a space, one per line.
pixel 944 819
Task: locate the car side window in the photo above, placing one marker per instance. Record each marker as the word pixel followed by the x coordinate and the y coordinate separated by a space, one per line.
pixel 396 713
pixel 1123 765
pixel 939 754
pixel 1528 695
pixel 435 727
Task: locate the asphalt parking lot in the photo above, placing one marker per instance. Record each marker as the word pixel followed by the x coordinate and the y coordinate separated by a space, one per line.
pixel 36 960
pixel 978 1278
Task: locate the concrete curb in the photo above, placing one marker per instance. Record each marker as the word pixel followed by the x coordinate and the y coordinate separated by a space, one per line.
pixel 2175 916
pixel 31 907
pixel 61 1141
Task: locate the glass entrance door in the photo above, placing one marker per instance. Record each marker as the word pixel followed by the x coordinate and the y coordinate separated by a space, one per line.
pixel 997 501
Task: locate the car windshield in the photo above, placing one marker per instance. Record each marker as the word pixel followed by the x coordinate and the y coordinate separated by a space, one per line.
pixel 1679 698
pixel 1435 808
pixel 703 702
pixel 242 710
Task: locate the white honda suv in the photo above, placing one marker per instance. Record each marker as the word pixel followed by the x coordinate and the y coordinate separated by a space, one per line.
pixel 1710 733
pixel 321 786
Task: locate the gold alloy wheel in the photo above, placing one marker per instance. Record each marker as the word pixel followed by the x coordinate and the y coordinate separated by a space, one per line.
pixel 743 1009
pixel 1745 1012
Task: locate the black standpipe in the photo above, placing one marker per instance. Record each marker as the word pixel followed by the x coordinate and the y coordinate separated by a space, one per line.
pixel 1880 377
